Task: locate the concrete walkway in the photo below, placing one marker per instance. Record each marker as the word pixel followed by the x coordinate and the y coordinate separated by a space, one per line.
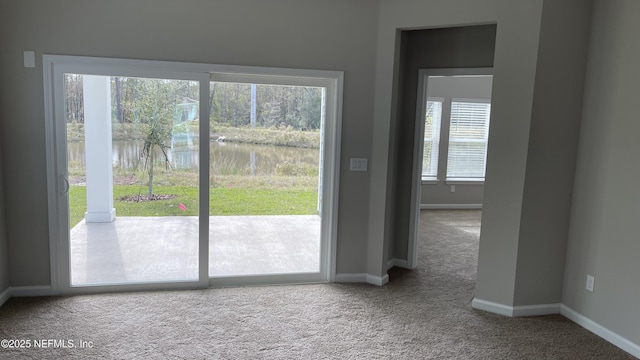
pixel 142 249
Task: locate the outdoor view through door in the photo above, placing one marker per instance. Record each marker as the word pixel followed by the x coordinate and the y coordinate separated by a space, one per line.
pixel 264 178
pixel 132 153
pixel 133 171
pixel 169 175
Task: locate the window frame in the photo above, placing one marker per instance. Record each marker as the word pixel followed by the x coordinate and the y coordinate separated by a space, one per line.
pixel 432 179
pixel 461 180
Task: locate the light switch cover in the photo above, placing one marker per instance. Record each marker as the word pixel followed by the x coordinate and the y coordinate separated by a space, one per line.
pixel 29 59
pixel 358 164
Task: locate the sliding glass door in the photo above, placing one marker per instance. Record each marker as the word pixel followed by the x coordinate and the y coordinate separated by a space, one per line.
pixel 175 175
pixel 128 181
pixel 265 169
pixel 132 166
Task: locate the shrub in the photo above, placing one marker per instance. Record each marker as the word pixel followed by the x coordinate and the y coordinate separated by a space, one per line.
pixel 287 168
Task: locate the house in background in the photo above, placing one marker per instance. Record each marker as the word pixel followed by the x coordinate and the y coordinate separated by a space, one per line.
pixel 560 197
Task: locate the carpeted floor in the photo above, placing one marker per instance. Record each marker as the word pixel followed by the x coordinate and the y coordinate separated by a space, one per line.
pixel 420 314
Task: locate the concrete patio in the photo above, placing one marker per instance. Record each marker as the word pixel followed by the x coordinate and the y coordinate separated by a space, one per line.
pixel 143 249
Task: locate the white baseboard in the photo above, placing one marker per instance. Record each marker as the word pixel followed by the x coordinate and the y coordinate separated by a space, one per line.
pixel 515 311
pixel 5 295
pixel 536 310
pixel 492 307
pixel 351 278
pixel 548 309
pixel 362 278
pixel 27 291
pixel 617 340
pixel 377 280
pixel 24 291
pixel 397 262
pixel 450 206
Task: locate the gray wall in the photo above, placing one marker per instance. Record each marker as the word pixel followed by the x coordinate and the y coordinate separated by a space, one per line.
pixel 516 47
pixel 4 249
pixel 512 100
pixel 462 87
pixel 331 35
pixel 425 49
pixel 553 139
pixel 536 49
pixel 604 232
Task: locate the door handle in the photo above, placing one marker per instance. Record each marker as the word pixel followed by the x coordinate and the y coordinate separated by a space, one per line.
pixel 63 184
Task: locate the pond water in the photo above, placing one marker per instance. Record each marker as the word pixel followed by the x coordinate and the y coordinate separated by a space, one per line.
pixel 226 158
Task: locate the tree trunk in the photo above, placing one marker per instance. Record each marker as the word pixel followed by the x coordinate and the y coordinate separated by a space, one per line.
pixel 253 105
pixel 118 100
pixel 150 192
pixel 211 97
pixel 223 106
pixel 235 107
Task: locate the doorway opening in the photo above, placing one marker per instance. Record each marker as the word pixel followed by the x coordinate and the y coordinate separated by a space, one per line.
pixel 450 145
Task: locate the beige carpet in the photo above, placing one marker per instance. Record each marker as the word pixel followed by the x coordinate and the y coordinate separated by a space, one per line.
pixel 421 314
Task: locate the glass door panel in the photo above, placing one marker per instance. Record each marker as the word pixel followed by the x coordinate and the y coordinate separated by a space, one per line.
pixel 133 171
pixel 265 186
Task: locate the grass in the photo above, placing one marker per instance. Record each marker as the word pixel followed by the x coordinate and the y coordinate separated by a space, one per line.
pixel 262 202
pixel 243 134
pixel 268 136
pixel 292 190
pixel 222 201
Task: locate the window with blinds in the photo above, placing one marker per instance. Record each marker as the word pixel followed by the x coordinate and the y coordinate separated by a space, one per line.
pixel 431 145
pixel 468 135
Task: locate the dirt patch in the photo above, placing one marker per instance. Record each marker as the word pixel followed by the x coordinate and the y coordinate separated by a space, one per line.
pixel 78 180
pixel 145 197
pixel 125 180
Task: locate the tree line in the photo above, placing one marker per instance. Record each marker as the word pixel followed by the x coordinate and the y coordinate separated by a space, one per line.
pixel 232 104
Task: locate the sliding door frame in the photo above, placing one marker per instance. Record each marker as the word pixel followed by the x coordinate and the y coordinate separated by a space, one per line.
pixel 54 68
pixel 331 83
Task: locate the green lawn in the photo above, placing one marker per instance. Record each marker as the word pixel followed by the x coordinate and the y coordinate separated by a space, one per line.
pixel 222 201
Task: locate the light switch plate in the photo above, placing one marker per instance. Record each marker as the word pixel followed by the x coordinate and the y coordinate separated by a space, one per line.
pixel 590 283
pixel 358 164
pixel 29 59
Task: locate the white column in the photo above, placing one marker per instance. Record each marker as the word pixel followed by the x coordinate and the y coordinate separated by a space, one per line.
pixel 97 139
pixel 323 118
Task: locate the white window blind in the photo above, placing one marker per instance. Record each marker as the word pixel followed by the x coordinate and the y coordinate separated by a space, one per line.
pixel 468 134
pixel 432 121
